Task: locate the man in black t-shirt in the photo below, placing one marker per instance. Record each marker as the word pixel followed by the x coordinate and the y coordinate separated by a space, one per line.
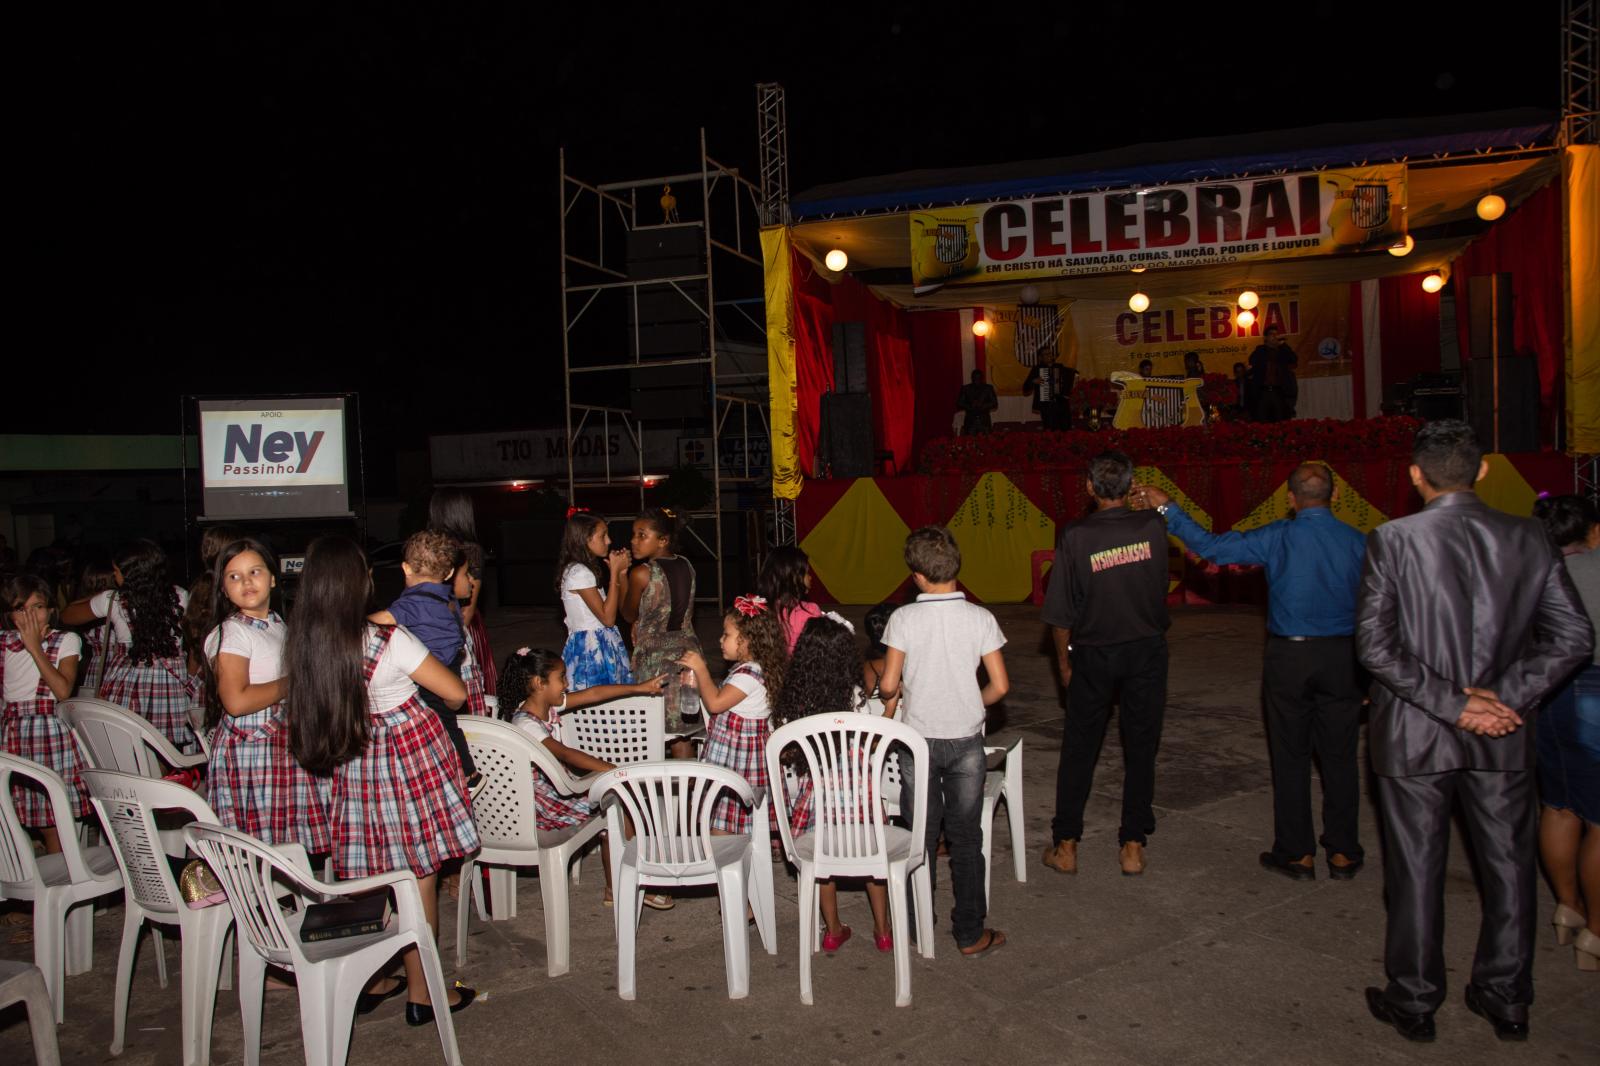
pixel 1107 609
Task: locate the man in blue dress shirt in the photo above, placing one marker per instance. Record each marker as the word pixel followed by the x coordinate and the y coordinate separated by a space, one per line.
pixel 1313 695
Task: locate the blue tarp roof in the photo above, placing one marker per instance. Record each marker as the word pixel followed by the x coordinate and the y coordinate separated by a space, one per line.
pixel 1197 159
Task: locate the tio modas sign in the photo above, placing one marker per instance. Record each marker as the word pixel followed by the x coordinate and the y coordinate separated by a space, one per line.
pixel 1200 224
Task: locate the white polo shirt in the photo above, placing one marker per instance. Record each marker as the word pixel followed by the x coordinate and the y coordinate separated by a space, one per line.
pixel 944 638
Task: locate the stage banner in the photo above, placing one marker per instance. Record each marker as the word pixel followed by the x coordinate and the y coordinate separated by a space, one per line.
pixel 1582 178
pixel 1201 224
pixel 1101 336
pixel 779 291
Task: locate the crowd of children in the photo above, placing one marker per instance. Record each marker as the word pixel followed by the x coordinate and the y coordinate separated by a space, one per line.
pixel 337 731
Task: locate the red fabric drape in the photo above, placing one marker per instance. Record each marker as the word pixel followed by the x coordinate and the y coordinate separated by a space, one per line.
pixel 1408 323
pixel 1527 245
pixel 936 340
pixel 820 303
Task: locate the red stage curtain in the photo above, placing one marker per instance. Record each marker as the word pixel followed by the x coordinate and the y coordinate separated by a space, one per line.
pixel 936 340
pixel 1358 351
pixel 820 303
pixel 1527 245
pixel 1408 322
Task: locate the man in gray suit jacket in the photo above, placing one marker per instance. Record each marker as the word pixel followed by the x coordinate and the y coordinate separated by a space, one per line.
pixel 1466 618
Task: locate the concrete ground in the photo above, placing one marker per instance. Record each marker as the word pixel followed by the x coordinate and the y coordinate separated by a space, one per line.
pixel 1204 959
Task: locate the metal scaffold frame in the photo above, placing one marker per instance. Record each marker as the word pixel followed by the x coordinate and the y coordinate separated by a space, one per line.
pixel 595 216
pixel 1580 72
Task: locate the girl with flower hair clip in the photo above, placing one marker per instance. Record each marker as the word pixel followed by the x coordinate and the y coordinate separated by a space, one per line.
pixel 741 708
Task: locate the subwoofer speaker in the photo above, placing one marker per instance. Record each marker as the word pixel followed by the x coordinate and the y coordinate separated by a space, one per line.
pixel 844 443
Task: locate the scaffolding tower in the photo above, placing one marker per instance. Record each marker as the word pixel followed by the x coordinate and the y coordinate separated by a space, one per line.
pixel 609 339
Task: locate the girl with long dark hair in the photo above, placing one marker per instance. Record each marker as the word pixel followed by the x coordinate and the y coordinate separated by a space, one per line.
pixel 146 670
pixel 398 798
pixel 252 781
pixel 660 603
pixel 785 582
pixel 591 580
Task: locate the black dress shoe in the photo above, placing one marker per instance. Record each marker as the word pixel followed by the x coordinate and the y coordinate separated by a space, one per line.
pixel 1294 871
pixel 1348 871
pixel 367 1002
pixel 422 1013
pixel 1503 1029
pixel 1415 1027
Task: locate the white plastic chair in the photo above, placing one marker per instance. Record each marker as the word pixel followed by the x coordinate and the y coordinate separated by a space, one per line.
pixel 329 974
pixel 21 983
pixel 849 834
pixel 111 737
pixel 506 812
pixel 63 931
pixel 629 730
pixel 126 804
pixel 669 803
pixel 1004 783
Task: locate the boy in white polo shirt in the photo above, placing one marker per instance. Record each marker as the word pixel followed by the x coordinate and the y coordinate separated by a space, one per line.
pixel 936 644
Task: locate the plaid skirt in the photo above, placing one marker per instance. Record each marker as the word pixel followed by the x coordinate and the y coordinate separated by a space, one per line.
pixel 158 691
pixel 557 810
pixel 740 744
pixel 32 730
pixel 401 804
pixel 256 787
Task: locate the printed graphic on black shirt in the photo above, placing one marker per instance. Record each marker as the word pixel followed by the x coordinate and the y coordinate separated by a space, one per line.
pixel 1123 556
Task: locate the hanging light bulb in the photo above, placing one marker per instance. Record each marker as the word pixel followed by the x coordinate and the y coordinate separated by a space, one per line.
pixel 1247 318
pixel 1248 300
pixel 1029 294
pixel 1138 270
pixel 1491 207
pixel 836 260
pixel 1139 302
pixel 1403 248
pixel 1433 282
pixel 981 328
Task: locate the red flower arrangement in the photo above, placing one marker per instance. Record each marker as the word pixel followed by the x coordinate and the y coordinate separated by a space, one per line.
pixel 1362 439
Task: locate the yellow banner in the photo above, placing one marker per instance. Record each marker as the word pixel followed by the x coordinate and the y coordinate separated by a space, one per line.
pixel 1201 224
pixel 787 480
pixel 1102 336
pixel 1582 175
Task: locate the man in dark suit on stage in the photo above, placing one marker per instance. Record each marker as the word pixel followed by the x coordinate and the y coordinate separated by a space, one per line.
pixel 1466 618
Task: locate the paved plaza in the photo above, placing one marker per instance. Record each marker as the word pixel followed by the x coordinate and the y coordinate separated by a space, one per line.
pixel 1204 959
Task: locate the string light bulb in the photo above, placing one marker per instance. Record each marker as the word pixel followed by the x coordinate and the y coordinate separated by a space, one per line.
pixel 1433 282
pixel 1491 207
pixel 1139 302
pixel 981 328
pixel 836 260
pixel 1247 318
pixel 1248 299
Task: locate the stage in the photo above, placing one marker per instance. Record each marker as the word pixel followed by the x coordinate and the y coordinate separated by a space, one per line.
pixel 853 529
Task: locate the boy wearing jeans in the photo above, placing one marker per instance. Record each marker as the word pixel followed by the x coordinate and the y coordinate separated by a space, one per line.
pixel 936 644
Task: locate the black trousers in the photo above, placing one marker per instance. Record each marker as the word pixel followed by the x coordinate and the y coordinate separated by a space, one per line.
pixel 1055 414
pixel 1313 701
pixel 1139 667
pixel 1499 810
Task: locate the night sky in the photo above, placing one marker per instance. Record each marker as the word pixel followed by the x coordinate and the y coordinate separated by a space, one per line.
pixel 251 197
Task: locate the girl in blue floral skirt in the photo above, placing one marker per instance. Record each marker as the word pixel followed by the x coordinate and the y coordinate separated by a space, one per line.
pixel 590 578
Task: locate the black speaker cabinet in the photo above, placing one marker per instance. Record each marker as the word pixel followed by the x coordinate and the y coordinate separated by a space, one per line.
pixel 666 252
pixel 844 443
pixel 1519 403
pixel 850 357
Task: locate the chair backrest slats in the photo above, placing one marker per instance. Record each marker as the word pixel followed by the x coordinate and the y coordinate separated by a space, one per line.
pixel 127 804
pixel 621 732
pixel 16 853
pixel 111 737
pixel 506 808
pixel 670 804
pixel 18 865
pixel 246 870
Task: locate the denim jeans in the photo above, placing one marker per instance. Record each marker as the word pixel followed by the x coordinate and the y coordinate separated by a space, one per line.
pixel 955 801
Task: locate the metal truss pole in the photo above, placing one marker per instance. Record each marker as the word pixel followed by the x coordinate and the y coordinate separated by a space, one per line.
pixel 566 327
pixel 772 140
pixel 1580 69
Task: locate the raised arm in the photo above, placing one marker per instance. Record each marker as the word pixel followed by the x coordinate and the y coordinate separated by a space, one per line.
pixel 638 581
pixel 716 699
pixel 1249 548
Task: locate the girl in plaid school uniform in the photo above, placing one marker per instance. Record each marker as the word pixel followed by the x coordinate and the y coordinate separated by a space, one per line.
pixel 534 683
pixel 398 798
pixel 38 666
pixel 146 670
pixel 824 678
pixel 740 710
pixel 253 783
